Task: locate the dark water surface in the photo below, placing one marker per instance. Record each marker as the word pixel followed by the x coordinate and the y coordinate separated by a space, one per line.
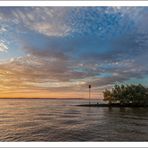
pixel 59 120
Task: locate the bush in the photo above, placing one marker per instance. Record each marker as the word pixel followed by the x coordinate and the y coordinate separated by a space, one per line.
pixel 127 94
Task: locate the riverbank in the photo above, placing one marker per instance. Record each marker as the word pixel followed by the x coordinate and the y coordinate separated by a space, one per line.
pixel 111 105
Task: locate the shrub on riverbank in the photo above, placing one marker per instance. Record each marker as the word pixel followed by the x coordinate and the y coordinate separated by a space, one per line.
pixel 127 94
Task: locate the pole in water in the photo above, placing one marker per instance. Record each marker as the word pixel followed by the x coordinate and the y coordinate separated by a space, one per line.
pixel 89 86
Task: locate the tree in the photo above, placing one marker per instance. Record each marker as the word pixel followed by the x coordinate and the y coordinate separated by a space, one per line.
pixel 107 96
pixel 127 94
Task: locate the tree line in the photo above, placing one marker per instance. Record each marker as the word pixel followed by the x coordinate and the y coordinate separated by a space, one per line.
pixel 127 95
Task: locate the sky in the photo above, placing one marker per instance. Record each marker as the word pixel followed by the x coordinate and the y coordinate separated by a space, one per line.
pixel 56 52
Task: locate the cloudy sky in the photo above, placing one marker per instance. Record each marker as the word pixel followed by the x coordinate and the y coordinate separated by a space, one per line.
pixel 57 51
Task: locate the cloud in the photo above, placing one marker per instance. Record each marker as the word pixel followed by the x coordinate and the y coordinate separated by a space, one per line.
pixel 3 46
pixel 65 49
pixel 2 29
pixel 32 71
pixel 40 19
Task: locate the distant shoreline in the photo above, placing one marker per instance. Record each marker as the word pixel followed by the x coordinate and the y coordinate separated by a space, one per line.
pixel 110 105
pixel 50 98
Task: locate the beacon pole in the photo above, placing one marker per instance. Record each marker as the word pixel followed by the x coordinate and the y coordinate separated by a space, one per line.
pixel 89 86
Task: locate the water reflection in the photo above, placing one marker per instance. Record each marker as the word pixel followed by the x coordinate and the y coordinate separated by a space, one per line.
pixel 61 120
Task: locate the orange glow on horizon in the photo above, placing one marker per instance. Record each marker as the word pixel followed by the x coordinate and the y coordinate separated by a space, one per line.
pixel 16 86
pixel 46 94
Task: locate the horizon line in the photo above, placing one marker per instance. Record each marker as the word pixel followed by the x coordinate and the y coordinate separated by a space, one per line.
pixel 54 98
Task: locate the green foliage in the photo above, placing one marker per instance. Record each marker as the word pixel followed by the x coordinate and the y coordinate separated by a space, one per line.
pixel 127 94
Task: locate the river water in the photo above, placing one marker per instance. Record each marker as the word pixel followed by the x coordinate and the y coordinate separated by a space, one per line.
pixel 60 120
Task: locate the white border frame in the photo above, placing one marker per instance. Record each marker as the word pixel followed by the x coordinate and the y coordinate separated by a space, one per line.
pixel 73 3
pixel 73 144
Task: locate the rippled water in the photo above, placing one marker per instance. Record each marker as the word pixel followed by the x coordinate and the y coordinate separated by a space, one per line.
pixel 61 120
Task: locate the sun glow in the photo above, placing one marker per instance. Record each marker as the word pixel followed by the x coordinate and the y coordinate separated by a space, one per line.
pixel 56 52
